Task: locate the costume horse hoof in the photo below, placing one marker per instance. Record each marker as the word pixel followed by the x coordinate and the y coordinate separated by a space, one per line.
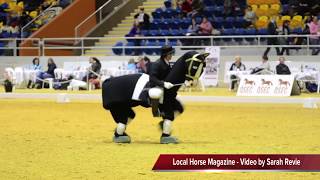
pixel 169 140
pixel 121 139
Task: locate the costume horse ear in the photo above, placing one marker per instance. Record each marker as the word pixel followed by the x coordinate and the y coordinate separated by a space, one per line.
pixel 203 56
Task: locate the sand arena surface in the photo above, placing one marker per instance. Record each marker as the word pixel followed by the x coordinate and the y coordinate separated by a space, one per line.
pixel 46 140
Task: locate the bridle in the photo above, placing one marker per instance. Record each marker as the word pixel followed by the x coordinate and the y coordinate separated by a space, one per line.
pixel 199 68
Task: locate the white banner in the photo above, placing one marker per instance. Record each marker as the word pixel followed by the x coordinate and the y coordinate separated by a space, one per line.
pixel 210 74
pixel 265 85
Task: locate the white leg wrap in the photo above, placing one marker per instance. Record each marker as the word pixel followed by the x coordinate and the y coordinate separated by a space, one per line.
pixel 155 93
pixel 121 128
pixel 167 126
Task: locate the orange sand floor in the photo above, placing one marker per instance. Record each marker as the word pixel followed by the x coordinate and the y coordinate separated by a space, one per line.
pixel 41 139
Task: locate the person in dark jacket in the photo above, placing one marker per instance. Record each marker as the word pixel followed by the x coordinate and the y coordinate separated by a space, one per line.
pixel 158 72
pixel 282 68
pixel 272 30
pixel 94 69
pixel 286 40
pixel 143 19
pixel 47 74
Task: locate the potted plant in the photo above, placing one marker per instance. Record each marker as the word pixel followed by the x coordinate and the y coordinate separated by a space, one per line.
pixel 7 84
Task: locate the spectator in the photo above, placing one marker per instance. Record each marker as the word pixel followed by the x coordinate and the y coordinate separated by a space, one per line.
pixel 250 17
pixel 143 19
pixel 272 30
pixel 265 66
pixel 167 4
pixel 144 65
pixel 232 8
pixel 205 27
pixel 197 7
pixel 282 68
pixel 131 65
pixel 135 32
pixel 285 40
pixel 186 7
pixel 36 67
pixel 314 32
pixel 236 66
pixel 94 69
pixel 50 72
pixel 193 28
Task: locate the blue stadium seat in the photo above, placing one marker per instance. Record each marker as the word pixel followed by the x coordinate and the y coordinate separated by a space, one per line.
pixel 176 24
pixel 250 31
pixel 228 22
pixel 218 11
pixel 156 15
pixel 297 31
pixel 145 32
pixel 149 51
pixel 164 32
pixel 219 2
pixel 154 33
pixel 186 23
pixel 169 13
pixel 208 11
pixel 129 51
pixel 217 23
pixel 239 32
pixel 239 22
pixel 154 25
pixel 262 32
pixel 117 48
pixel 228 32
pixel 208 2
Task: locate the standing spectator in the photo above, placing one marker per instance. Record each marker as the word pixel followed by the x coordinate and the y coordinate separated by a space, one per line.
pixel 143 19
pixel 285 40
pixel 314 32
pixel 250 17
pixel 282 68
pixel 272 30
pixel 236 66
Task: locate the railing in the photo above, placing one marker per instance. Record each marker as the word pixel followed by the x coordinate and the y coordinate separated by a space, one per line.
pixel 251 45
pixel 101 13
pixel 34 20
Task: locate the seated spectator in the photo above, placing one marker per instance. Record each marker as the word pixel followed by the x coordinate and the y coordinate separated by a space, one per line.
pixel 185 6
pixel 282 68
pixel 131 65
pixel 193 28
pixel 197 7
pixel 250 17
pixel 265 66
pixel 94 69
pixel 135 32
pixel 236 66
pixel 232 8
pixel 36 67
pixel 143 19
pixel 205 27
pixel 50 72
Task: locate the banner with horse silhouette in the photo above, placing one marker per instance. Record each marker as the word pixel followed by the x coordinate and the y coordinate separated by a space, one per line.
pixel 265 85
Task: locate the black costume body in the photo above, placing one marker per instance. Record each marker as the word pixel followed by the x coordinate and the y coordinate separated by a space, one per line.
pixel 119 94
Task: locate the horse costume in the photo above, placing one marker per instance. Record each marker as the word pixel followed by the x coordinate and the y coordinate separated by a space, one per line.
pixel 120 94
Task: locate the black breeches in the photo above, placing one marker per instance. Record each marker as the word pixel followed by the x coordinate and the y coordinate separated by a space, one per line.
pixel 168 109
pixel 121 113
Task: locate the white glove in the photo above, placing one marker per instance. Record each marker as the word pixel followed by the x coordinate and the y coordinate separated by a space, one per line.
pixel 168 85
pixel 187 83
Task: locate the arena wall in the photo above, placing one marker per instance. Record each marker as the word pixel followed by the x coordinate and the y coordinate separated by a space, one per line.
pixel 292 61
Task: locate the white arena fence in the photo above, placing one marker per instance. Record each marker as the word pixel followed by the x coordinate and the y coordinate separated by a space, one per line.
pixel 244 45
